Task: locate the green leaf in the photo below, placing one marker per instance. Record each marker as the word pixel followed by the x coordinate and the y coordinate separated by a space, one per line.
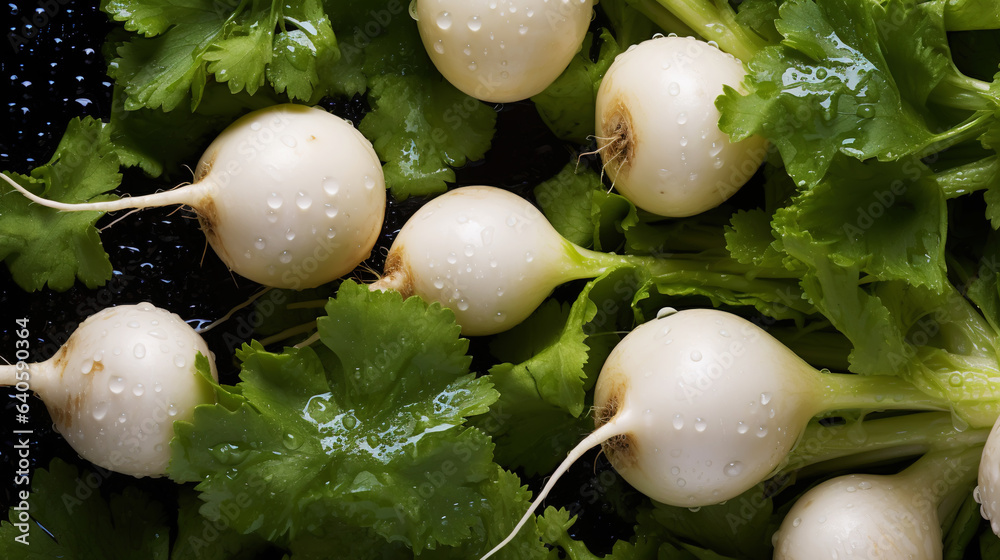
pixel 128 526
pixel 42 246
pixel 566 201
pixel 211 537
pixel 539 415
pixel 749 239
pixel 849 77
pixel 420 125
pixel 886 219
pixel 372 436
pixel 243 45
pixel 567 106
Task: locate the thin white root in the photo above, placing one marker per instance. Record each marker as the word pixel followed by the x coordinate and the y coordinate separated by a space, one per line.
pixel 596 437
pixel 186 195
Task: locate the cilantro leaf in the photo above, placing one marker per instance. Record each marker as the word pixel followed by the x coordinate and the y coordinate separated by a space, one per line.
pixel 420 125
pixel 370 436
pixel 44 246
pixel 211 537
pixel 888 220
pixel 849 77
pixel 128 526
pixel 543 397
pixel 567 202
pixel 567 106
pixel 242 44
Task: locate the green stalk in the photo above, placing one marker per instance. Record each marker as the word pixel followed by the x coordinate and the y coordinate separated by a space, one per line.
pixel 663 19
pixel 876 392
pixel 968 178
pixel 824 449
pixel 959 91
pixel 716 21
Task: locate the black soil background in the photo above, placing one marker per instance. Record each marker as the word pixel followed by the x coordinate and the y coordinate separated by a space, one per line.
pixel 52 70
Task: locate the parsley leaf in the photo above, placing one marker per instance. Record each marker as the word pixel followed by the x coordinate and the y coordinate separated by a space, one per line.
pixel 242 44
pixel 365 432
pixel 127 526
pixel 44 246
pixel 420 125
pixel 849 77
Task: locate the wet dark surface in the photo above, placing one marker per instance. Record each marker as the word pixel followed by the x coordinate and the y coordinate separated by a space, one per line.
pixel 53 70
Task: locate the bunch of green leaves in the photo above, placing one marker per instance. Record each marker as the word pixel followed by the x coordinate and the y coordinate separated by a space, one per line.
pixel 364 435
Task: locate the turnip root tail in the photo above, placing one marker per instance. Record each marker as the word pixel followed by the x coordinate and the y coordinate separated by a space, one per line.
pixel 598 436
pixel 189 195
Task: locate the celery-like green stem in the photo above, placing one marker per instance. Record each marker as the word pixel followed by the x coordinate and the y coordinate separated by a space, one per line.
pixel 962 92
pixel 825 448
pixel 821 349
pixel 777 286
pixel 968 178
pixel 876 392
pixel 716 21
pixel 663 19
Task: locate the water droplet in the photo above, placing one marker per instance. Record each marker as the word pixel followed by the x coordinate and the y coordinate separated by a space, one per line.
pixel 675 471
pixel 157 334
pixel 522 29
pixel 369 183
pixel 475 24
pixel 101 410
pixel 762 431
pixel 444 21
pixel 821 73
pixel 139 351
pixel 87 367
pixel 228 453
pixel 179 361
pixel 285 257
pixel 116 385
pixel 439 46
pixel 700 425
pixel 852 489
pixel 304 201
pixel 500 317
pixel 470 250
pixel 291 442
pixel 121 418
pixel 866 111
pixel 796 522
pixel 274 201
pixel 681 482
pixel 733 469
pixel 742 428
pixel 977 496
pixel 331 187
pixel 682 118
pixel 765 398
pixel 133 324
pixel 955 380
pixel 260 244
pixel 157 387
pixel 696 356
pixel 331 233
pixel 463 305
pixel 665 312
pixel 288 141
pixel 678 421
pixel 674 88
pixel 864 485
pixel 172 410
pixel 529 256
pixel 138 390
pixel 452 258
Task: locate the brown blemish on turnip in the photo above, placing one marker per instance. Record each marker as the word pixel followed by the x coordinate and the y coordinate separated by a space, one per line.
pixel 617 146
pixel 620 449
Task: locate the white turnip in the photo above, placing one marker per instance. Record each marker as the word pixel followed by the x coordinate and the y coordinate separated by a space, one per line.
pixel 502 50
pixel 697 407
pixel 118 384
pixel 289 196
pixel 884 517
pixel 492 258
pixel 657 127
